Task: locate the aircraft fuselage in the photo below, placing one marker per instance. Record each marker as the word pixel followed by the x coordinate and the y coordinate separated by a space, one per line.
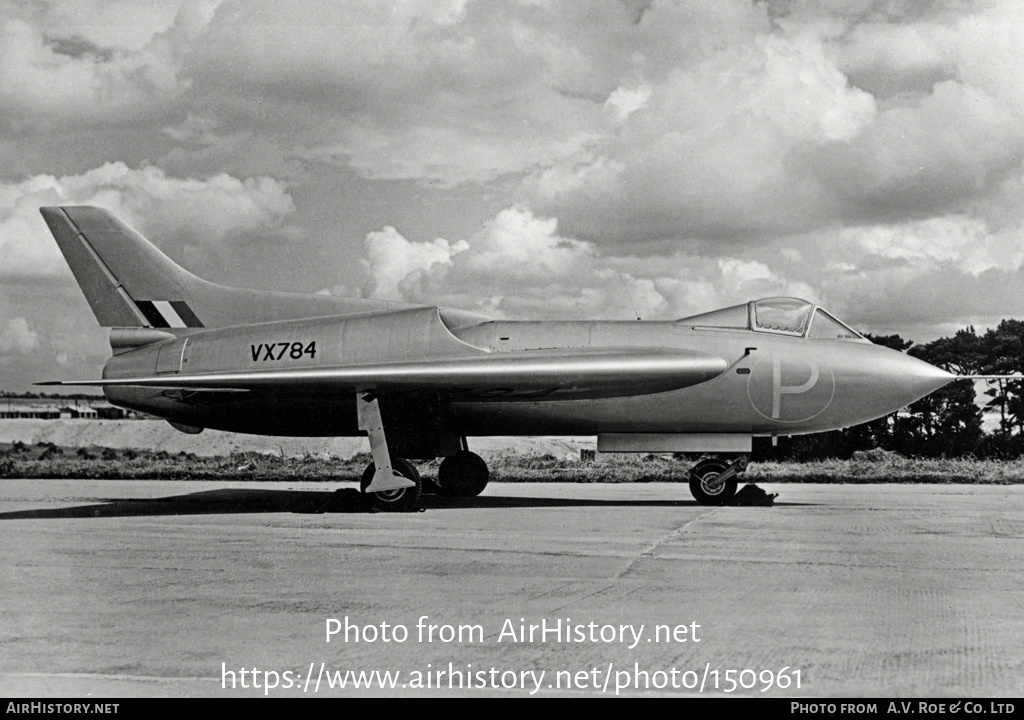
pixel 772 385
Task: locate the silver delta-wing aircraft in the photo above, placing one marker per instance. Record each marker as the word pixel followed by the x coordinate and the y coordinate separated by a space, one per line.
pixel 420 380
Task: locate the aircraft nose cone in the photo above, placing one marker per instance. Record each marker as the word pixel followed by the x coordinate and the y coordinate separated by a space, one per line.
pixel 924 378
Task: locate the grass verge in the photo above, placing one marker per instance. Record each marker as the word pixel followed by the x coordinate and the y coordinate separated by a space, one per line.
pixel 49 461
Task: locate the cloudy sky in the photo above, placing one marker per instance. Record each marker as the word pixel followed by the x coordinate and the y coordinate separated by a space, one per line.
pixel 523 158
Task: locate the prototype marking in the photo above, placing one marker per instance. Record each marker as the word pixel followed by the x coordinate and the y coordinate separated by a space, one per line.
pixel 778 389
pixel 790 388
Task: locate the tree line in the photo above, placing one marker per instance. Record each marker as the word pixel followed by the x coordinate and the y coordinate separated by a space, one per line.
pixel 947 423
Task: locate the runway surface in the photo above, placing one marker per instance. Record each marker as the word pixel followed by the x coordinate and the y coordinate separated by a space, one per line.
pixel 115 588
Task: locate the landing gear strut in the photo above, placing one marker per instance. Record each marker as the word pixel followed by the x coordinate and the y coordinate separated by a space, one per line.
pixel 713 481
pixel 391 484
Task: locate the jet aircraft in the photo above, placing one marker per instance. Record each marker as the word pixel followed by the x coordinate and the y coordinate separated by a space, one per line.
pixel 420 380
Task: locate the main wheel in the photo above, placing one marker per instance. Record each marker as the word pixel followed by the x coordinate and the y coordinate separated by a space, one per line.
pixel 705 485
pixel 400 500
pixel 463 474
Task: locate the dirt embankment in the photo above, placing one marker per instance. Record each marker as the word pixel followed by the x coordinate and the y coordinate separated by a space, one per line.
pixel 158 435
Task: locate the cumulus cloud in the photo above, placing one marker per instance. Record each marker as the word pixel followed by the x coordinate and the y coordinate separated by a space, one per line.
pixel 977 44
pixel 124 25
pixel 194 130
pixel 189 210
pixel 958 144
pixel 881 278
pixel 952 270
pixel 647 122
pixel 518 265
pixel 924 302
pixel 456 91
pixel 394 264
pixel 18 338
pixel 856 114
pixel 640 121
pixel 395 91
pixel 965 241
pixel 514 254
pixel 709 152
pixel 60 66
pixel 890 60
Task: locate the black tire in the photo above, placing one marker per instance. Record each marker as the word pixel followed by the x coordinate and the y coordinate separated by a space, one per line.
pixel 401 500
pixel 463 474
pixel 703 487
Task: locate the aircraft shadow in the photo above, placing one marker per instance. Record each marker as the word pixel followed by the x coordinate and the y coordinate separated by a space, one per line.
pixel 447 503
pixel 208 502
pixel 241 501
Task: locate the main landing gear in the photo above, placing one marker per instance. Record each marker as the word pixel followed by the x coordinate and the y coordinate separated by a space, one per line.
pixel 393 484
pixel 463 474
pixel 402 499
pixel 713 481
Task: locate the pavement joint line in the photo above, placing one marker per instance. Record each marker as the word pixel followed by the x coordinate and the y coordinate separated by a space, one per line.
pixel 649 550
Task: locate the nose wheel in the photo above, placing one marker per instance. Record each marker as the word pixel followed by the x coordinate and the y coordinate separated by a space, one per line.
pixel 714 481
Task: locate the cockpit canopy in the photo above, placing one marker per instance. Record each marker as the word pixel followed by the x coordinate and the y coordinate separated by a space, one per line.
pixel 779 315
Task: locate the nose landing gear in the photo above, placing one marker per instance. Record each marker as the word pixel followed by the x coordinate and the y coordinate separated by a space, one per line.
pixel 713 481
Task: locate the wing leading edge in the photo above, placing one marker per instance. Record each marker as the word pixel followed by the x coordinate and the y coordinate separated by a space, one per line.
pixel 561 374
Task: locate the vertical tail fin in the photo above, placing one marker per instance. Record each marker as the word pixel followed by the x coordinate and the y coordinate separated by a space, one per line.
pixel 129 283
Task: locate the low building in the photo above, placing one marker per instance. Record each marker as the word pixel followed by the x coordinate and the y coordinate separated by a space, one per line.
pixel 30 412
pixel 79 412
pixel 106 411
